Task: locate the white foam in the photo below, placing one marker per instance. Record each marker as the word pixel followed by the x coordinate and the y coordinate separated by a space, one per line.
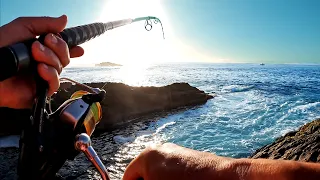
pixel 164 126
pixel 236 88
pixel 305 107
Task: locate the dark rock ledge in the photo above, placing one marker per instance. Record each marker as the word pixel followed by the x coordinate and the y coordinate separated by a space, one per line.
pixel 300 145
pixel 123 104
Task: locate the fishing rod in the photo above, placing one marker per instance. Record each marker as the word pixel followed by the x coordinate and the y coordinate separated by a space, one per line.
pixel 49 138
pixel 17 57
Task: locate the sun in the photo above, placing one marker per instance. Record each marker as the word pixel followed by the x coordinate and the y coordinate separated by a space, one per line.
pixel 132 44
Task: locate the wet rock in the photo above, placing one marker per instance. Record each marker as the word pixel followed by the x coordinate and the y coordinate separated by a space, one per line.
pixel 8 163
pixel 116 156
pixel 300 145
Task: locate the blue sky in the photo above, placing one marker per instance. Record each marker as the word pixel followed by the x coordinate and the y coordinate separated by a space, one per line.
pixel 269 31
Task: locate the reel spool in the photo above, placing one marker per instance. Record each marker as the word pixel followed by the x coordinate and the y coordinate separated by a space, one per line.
pixel 94 114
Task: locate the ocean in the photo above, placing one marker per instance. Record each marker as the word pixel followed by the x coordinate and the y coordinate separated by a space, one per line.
pixel 254 105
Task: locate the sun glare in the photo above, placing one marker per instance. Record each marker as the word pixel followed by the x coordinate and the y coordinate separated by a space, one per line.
pixel 132 75
pixel 135 45
pixel 132 45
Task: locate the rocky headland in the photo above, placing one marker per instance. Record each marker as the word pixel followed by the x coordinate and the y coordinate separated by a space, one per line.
pixel 122 104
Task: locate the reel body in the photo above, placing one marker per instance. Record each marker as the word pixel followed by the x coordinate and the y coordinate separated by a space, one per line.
pixel 65 132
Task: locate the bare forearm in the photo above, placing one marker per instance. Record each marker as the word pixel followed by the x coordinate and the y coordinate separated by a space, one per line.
pixel 211 167
pixel 170 162
pixel 264 169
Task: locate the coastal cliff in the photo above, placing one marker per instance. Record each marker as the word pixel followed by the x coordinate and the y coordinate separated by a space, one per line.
pixel 300 145
pixel 123 104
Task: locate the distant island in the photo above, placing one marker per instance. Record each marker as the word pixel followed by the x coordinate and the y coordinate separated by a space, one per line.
pixel 107 64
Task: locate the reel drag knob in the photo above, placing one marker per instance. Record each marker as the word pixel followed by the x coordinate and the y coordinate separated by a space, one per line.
pixel 83 144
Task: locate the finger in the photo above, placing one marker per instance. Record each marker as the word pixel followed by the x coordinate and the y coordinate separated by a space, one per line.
pixel 43 54
pixel 49 74
pixel 41 25
pixel 59 47
pixel 76 51
pixel 25 28
pixel 133 172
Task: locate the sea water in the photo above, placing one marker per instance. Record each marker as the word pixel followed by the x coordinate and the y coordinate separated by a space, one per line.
pixel 254 105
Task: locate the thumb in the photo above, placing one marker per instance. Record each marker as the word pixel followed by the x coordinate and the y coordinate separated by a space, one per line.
pixel 40 25
pixel 133 171
pixel 24 28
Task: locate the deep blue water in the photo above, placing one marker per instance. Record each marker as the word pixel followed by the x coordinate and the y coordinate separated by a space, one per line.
pixel 254 105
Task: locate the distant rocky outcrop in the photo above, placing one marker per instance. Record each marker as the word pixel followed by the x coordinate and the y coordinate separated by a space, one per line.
pixel 300 145
pixel 107 64
pixel 122 104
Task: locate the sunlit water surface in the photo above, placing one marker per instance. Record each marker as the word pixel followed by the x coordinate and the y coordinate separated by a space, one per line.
pixel 255 105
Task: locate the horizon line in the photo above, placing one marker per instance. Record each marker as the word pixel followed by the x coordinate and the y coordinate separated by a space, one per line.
pixel 190 62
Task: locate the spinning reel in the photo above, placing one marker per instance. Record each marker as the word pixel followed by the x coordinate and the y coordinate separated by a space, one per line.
pixel 64 134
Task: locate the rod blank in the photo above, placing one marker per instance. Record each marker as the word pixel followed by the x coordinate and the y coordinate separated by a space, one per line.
pixel 17 58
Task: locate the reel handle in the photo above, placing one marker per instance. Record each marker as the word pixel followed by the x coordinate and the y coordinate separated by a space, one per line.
pixel 83 144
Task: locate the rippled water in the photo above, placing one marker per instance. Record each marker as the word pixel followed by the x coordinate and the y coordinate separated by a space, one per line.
pixel 255 104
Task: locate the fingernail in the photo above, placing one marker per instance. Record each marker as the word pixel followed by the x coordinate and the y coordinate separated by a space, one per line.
pixel 54 39
pixel 41 47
